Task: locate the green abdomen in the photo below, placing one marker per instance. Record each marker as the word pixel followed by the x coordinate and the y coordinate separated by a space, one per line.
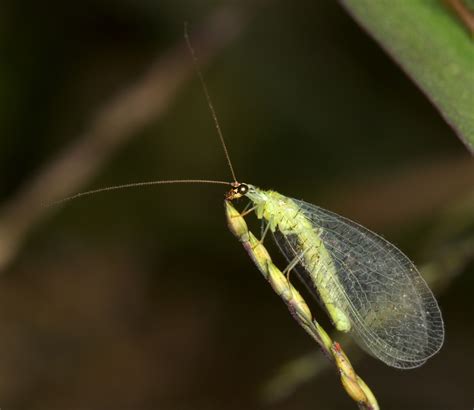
pixel 299 238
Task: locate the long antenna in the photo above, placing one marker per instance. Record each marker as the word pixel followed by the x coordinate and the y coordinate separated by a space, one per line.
pixel 137 184
pixel 208 98
pixel 171 181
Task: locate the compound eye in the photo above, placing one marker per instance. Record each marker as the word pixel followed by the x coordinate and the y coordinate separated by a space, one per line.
pixel 243 189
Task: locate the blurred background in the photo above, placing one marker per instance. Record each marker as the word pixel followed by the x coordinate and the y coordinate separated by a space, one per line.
pixel 142 299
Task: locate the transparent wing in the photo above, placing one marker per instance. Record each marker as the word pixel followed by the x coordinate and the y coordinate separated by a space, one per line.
pixel 393 314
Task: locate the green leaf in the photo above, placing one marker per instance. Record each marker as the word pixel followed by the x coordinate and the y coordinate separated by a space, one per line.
pixel 433 47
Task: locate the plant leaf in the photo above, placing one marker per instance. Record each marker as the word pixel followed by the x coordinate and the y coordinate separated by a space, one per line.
pixel 433 47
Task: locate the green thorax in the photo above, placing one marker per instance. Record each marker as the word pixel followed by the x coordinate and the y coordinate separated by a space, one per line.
pixel 278 210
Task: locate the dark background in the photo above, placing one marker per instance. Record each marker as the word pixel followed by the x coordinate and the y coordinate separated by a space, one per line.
pixel 142 299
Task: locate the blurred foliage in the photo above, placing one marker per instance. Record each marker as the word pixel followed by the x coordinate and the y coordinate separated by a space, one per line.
pixel 142 299
pixel 426 39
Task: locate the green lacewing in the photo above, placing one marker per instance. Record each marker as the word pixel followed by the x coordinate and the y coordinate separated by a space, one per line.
pixel 367 285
